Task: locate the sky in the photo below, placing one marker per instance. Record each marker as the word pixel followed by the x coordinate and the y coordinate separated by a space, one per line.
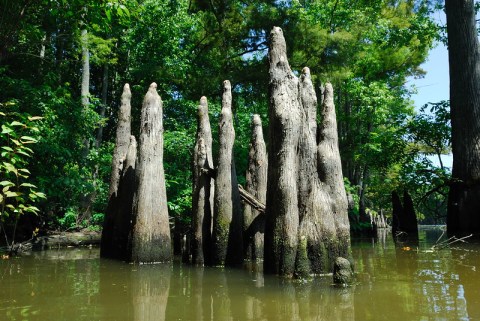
pixel 434 87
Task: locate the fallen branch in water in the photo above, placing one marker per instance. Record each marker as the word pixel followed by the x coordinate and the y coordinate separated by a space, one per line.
pixel 448 242
pixel 56 240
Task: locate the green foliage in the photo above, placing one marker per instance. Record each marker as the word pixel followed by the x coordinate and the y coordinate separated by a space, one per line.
pixel 17 195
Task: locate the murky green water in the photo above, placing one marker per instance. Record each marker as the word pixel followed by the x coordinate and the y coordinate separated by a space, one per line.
pixel 393 284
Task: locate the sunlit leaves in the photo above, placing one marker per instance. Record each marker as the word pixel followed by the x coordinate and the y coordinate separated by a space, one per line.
pixel 17 193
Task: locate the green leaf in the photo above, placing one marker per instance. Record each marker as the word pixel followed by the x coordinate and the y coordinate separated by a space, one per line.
pixel 16 123
pixel 23 153
pixel 7 148
pixel 6 183
pixel 34 118
pixel 28 185
pixel 9 167
pixel 12 194
pixel 28 138
pixel 6 130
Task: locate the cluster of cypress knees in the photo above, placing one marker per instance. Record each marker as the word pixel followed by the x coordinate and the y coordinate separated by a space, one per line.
pixel 295 206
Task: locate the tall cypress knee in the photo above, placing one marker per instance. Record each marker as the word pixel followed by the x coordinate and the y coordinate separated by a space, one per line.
pixel 122 141
pixel 256 185
pixel 203 188
pixel 307 224
pixel 227 236
pixel 150 238
pixel 282 217
pixel 122 221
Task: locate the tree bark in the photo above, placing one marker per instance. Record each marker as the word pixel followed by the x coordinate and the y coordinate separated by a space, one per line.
pixel 256 185
pixel 85 87
pixel 282 213
pixel 122 142
pixel 203 187
pixel 150 231
pixel 122 219
pixel 227 238
pixel 464 61
pixel 103 105
pixel 307 224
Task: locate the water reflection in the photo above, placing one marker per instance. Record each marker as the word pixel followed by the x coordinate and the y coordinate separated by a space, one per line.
pixel 394 283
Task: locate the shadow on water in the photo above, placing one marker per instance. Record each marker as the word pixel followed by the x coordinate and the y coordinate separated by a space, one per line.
pixel 403 282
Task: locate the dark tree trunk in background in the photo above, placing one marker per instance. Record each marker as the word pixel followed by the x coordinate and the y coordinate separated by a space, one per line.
pixel 397 210
pixel 227 232
pixel 410 225
pixel 404 223
pixel 151 231
pixel 464 61
pixel 256 185
pixel 122 142
pixel 307 224
pixel 202 188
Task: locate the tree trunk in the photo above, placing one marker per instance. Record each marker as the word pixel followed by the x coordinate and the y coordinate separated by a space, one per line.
pixel 85 88
pixel 256 185
pixel 464 62
pixel 410 225
pixel 227 238
pixel 122 142
pixel 103 105
pixel 306 214
pixel 404 217
pixel 203 187
pixel 150 231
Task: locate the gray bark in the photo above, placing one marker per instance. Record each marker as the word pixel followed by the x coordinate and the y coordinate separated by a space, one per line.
pixel 122 139
pixel 227 238
pixel 150 240
pixel 122 142
pixel 85 88
pixel 464 63
pixel 282 213
pixel 203 187
pixel 307 224
pixel 256 185
pixel 103 106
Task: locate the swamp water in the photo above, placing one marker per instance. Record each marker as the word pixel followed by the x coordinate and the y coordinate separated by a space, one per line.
pixel 393 283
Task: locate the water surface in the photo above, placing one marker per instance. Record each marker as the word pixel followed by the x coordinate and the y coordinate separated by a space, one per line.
pixel 394 283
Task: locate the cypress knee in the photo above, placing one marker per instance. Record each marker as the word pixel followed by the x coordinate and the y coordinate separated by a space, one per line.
pixel 203 187
pixel 150 238
pixel 227 238
pixel 122 141
pixel 307 224
pixel 256 185
pixel 123 220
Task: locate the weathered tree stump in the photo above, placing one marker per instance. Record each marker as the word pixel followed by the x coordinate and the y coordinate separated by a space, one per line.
pixel 256 185
pixel 227 235
pixel 203 187
pixel 307 224
pixel 122 142
pixel 150 238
